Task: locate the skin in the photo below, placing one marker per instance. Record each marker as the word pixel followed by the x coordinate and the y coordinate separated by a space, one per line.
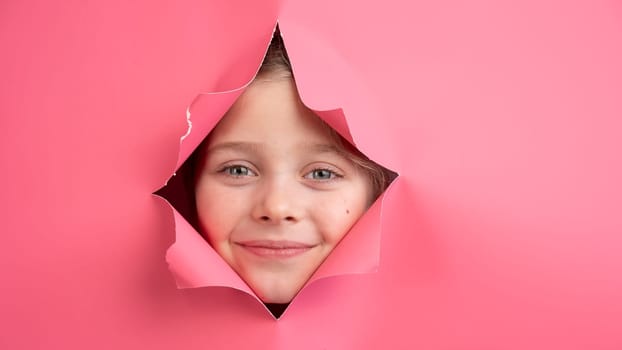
pixel 274 192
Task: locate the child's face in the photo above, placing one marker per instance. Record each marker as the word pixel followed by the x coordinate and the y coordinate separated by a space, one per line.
pixel 274 194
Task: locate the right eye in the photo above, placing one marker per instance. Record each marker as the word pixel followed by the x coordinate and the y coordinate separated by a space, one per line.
pixel 238 171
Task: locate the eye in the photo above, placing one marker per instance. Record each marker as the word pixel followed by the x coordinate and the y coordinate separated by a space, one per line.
pixel 238 171
pixel 322 174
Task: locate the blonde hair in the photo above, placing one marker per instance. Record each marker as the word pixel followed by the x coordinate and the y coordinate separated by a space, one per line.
pixel 276 64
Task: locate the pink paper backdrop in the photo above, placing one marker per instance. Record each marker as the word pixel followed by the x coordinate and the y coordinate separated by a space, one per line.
pixel 504 121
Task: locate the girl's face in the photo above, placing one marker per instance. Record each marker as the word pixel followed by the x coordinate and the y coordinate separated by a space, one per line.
pixel 274 192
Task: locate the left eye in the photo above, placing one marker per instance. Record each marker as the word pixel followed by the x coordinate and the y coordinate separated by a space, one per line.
pixel 321 174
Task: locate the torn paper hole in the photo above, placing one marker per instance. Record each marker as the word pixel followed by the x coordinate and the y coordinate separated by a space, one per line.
pixel 274 195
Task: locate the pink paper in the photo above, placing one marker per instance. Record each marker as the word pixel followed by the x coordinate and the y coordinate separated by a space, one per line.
pixel 502 118
pixel 191 259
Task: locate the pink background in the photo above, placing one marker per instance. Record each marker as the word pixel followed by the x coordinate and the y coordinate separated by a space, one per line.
pixel 504 122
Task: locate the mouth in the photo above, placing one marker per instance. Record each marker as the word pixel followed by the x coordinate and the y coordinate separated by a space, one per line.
pixel 275 249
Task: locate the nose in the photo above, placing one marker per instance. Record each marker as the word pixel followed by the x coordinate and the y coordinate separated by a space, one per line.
pixel 278 202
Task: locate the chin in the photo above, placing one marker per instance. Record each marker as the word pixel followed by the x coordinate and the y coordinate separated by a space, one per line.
pixel 280 298
pixel 277 296
pixel 276 288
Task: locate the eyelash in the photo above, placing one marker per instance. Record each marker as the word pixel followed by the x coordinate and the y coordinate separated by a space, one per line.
pixel 333 174
pixel 227 170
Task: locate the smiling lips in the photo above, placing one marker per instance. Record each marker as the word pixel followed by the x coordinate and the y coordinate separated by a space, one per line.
pixel 275 249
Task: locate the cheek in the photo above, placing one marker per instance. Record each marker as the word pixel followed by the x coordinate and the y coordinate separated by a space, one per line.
pixel 217 211
pixel 339 213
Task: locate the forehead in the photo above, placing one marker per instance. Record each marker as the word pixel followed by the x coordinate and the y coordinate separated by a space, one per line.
pixel 271 111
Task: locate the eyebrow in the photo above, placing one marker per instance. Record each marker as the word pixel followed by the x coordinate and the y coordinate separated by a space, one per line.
pixel 253 147
pixel 324 148
pixel 236 146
